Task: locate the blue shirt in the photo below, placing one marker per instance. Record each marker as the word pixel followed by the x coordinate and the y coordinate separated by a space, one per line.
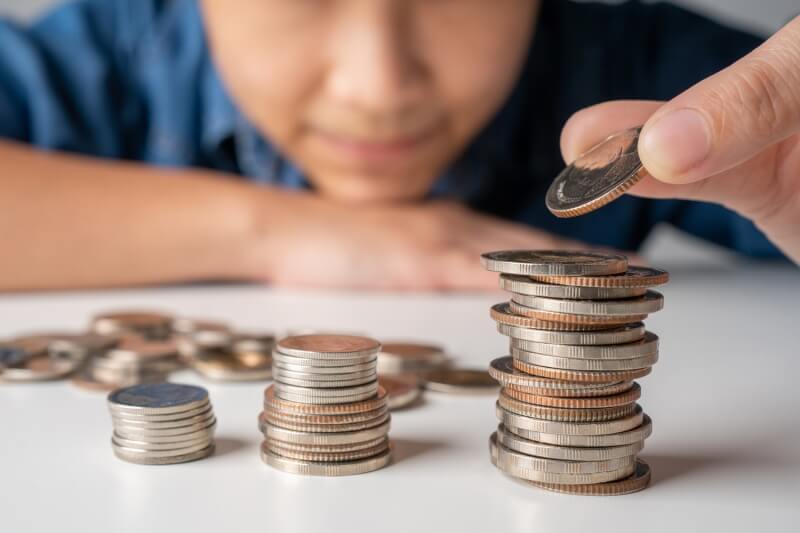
pixel 133 80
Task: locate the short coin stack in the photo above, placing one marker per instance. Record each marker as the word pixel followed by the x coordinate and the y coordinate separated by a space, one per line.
pixel 163 423
pixel 325 414
pixel 569 421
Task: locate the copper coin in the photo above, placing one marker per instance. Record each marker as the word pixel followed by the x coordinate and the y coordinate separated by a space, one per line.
pixel 582 390
pixel 324 346
pixel 597 177
pixel 622 398
pixel 402 390
pixel 635 277
pixel 559 414
pixel 581 376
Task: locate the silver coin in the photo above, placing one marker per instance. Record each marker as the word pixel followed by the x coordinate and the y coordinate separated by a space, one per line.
pixel 648 345
pixel 11 355
pixel 528 423
pixel 519 465
pixel 347 468
pixel 266 418
pixel 321 371
pixel 405 357
pixel 250 341
pixel 369 388
pixel 598 176
pixel 616 335
pixel 651 302
pixel 306 383
pixel 284 359
pixel 327 448
pixel 623 438
pixel 227 366
pixel 147 433
pixel 592 365
pixel 169 420
pixel 554 263
pixel 525 285
pixel 281 373
pixel 564 453
pixel 322 400
pixel 459 381
pixel 203 439
pixel 207 433
pixel 151 459
pixel 336 420
pixel 322 346
pixel 306 437
pixel 40 367
pixel 160 398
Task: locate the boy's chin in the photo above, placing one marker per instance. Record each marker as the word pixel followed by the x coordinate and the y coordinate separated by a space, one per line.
pixel 371 189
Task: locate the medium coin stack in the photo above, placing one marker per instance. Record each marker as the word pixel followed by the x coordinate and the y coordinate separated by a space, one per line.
pixel 325 414
pixel 163 423
pixel 569 421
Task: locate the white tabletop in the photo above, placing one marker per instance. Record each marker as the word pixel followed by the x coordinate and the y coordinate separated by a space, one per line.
pixel 725 450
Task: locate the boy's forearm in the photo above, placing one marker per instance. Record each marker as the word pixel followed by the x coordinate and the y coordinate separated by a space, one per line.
pixel 69 221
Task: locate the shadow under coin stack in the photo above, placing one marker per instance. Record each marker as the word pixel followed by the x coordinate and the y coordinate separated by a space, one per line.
pixel 325 414
pixel 569 421
pixel 163 423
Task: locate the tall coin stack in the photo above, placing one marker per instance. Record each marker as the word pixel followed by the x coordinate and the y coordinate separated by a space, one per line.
pixel 325 413
pixel 162 423
pixel 569 421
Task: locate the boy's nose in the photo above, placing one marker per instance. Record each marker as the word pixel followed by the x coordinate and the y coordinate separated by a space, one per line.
pixel 372 61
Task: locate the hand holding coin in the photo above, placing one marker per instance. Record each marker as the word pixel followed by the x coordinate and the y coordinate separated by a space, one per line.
pixel 732 139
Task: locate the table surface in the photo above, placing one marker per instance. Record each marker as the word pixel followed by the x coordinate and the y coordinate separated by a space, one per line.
pixel 725 451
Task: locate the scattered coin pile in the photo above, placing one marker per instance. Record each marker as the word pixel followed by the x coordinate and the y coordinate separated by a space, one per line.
pixel 162 423
pixel 325 414
pixel 569 421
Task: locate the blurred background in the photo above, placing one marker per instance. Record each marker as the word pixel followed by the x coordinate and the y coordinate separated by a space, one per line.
pixel 666 246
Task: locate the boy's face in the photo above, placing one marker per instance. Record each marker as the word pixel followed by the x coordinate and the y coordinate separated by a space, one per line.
pixel 371 98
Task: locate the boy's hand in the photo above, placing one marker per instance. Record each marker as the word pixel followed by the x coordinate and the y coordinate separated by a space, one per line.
pixel 732 139
pixel 429 246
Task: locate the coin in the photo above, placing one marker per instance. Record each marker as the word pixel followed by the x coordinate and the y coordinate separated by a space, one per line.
pixel 636 482
pixel 314 364
pixel 271 401
pixel 226 365
pixel 283 380
pixel 327 457
pixel 328 346
pixel 651 302
pixel 190 441
pixel 282 373
pixel 161 398
pixel 403 390
pixel 317 395
pixel 525 285
pixel 623 438
pixel 558 466
pixel 558 414
pixel 646 346
pixel 635 276
pixel 325 370
pixel 582 376
pixel 503 371
pixel 326 448
pixel 502 314
pixel 345 418
pixel 597 177
pixel 581 390
pixel 621 398
pixel 554 263
pixel 307 437
pixel 150 324
pixel 403 357
pixel 565 453
pixel 134 457
pixel 40 367
pixel 460 381
pixel 590 365
pixel 552 316
pixel 528 423
pixel 267 418
pixel 616 335
pixel 346 468
pixel 11 355
pixel 520 466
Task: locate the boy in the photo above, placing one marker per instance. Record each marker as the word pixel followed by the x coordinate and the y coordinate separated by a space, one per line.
pixel 374 143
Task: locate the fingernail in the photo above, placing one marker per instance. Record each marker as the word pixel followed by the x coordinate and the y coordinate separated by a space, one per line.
pixel 677 142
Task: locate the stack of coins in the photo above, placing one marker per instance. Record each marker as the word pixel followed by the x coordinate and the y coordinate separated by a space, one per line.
pixel 132 360
pixel 325 414
pixel 164 423
pixel 569 421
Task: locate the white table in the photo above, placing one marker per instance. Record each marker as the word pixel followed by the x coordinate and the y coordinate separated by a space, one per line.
pixel 724 400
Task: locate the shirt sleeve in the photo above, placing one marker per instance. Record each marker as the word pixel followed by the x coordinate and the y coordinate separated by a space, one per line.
pixel 60 81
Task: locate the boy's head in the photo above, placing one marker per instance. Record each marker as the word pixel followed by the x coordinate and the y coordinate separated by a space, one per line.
pixel 371 98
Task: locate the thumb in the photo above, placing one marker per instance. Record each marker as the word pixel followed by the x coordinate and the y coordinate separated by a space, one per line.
pixel 730 117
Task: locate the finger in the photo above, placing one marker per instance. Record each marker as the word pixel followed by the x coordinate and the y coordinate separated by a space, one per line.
pixel 590 126
pixel 730 117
